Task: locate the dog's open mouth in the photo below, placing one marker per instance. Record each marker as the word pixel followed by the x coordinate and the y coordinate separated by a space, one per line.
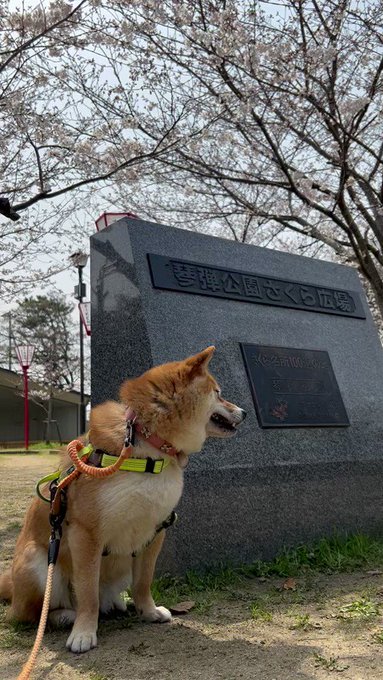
pixel 221 425
pixel 222 422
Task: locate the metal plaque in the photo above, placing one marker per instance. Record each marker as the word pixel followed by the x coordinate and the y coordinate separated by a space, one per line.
pixel 293 387
pixel 205 279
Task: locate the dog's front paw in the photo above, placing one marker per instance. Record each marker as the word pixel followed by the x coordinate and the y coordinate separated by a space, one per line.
pixel 157 615
pixel 81 641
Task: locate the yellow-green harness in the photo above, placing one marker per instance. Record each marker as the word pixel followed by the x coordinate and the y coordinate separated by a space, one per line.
pixel 128 465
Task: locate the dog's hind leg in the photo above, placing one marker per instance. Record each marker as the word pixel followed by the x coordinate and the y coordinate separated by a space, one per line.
pixel 6 586
pixel 111 599
pixel 115 577
pixel 28 580
pixel 143 570
pixel 61 618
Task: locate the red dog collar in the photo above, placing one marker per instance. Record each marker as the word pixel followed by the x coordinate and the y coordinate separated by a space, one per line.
pixel 132 427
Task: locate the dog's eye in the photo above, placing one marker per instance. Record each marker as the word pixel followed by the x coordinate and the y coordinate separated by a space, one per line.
pixel 218 392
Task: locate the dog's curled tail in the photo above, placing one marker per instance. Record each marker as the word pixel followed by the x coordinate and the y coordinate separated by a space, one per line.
pixel 6 586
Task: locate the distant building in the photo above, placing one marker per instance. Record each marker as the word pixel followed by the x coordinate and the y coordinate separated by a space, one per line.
pixel 65 412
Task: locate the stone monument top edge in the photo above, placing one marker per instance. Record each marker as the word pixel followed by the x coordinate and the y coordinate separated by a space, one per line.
pixel 136 224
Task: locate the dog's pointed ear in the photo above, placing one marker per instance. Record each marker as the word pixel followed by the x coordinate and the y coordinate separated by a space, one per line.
pixel 198 363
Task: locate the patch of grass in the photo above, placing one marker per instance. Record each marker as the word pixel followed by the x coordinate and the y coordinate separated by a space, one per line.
pixel 169 590
pixel 329 555
pixel 330 664
pixel 40 446
pixel 237 595
pixel 378 636
pixel 11 639
pixel 219 579
pixel 359 609
pixel 260 614
pixel 295 597
pixel 22 627
pixel 302 622
pixel 203 604
pixel 335 554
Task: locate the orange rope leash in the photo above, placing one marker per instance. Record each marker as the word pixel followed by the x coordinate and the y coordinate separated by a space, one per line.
pixel 28 667
pixel 76 446
pixel 73 449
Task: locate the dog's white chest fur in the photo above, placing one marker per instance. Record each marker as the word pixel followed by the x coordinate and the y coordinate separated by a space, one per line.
pixel 133 505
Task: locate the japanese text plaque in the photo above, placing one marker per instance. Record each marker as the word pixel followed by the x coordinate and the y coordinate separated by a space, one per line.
pixel 201 279
pixel 293 387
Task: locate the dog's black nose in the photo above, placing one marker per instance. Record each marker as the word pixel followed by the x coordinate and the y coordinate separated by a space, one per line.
pixel 244 414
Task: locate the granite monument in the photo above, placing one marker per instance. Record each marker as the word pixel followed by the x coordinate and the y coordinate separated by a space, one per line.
pixel 296 347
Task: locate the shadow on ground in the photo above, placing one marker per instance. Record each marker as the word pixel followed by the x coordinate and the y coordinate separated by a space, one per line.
pixel 172 651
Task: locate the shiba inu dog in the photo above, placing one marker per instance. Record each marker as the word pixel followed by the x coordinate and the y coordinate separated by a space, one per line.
pixel 111 539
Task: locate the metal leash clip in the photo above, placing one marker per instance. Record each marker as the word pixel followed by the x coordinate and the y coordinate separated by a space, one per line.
pixel 130 433
pixel 55 520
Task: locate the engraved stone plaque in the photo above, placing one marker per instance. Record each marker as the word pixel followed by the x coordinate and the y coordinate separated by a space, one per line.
pixel 293 387
pixel 196 278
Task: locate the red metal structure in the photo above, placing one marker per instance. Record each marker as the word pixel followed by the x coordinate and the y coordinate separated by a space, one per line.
pixel 107 218
pixel 25 357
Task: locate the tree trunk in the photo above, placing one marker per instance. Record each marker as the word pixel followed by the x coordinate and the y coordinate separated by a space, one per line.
pixel 373 275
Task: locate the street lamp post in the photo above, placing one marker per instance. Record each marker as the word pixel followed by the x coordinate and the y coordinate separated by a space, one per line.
pixel 25 357
pixel 79 260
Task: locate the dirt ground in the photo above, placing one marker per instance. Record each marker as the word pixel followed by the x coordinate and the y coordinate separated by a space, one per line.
pixel 307 628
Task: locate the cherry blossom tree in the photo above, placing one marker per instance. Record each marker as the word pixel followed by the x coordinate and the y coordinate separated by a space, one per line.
pixel 57 143
pixel 258 120
pixel 283 127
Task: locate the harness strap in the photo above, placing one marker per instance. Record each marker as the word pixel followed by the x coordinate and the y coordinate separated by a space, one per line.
pixel 59 475
pixel 48 478
pixel 100 458
pixel 168 522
